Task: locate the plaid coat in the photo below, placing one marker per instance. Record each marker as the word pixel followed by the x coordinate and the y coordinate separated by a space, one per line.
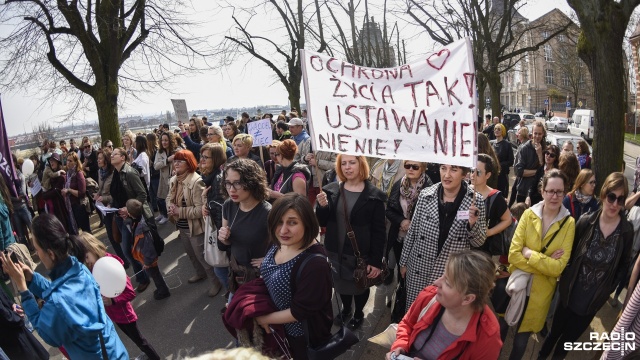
pixel 420 251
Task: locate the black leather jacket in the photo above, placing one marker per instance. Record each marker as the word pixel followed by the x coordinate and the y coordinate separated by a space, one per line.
pixel 617 269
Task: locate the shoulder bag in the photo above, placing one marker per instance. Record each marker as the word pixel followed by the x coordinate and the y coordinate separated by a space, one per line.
pixel 339 342
pixel 212 255
pixel 360 273
pixel 500 243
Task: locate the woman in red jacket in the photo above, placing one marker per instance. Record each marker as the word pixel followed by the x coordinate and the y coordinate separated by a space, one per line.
pixel 451 319
pixel 119 308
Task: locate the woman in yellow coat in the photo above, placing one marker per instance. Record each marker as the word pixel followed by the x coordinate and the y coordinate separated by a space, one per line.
pixel 541 246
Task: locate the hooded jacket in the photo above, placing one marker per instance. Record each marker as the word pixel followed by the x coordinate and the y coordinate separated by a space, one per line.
pixel 545 269
pixel 73 315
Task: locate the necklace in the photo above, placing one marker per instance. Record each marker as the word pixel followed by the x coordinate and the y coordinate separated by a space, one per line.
pixel 234 217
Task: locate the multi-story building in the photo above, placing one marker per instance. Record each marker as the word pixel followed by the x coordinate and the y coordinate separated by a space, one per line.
pixel 552 76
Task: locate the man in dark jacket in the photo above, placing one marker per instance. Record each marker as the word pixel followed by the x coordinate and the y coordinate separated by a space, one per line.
pixel 529 159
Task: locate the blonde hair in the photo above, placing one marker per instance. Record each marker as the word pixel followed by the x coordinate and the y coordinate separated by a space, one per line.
pixel 503 130
pixel 246 139
pixel 472 272
pixel 363 167
pixel 92 244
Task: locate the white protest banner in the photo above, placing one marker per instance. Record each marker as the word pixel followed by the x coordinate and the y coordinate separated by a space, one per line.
pixel 425 111
pixel 261 132
pixel 180 108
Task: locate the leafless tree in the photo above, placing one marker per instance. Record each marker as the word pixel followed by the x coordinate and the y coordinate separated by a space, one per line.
pixel 97 50
pixel 294 26
pixel 574 75
pixel 600 46
pixel 499 34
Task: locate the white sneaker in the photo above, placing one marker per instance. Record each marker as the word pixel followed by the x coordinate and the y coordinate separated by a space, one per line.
pixel 157 218
pixel 142 357
pixel 163 221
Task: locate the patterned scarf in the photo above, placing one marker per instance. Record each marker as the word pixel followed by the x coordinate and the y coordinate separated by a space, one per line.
pixel 582 199
pixel 103 174
pixel 178 194
pixel 71 173
pixel 410 193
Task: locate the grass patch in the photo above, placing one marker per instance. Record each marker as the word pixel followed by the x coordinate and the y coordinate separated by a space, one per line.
pixel 630 138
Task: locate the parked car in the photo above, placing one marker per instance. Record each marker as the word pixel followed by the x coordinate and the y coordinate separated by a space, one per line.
pixel 528 118
pixel 538 114
pixel 512 135
pixel 510 120
pixel 560 139
pixel 557 123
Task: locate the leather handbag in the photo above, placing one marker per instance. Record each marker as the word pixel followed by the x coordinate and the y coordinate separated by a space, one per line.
pixel 339 342
pixel 360 273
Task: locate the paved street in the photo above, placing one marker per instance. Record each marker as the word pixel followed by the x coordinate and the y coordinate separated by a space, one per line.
pixel 188 323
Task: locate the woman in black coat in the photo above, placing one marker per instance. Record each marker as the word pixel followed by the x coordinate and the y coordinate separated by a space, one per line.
pixel 365 207
pixel 16 341
pixel 402 202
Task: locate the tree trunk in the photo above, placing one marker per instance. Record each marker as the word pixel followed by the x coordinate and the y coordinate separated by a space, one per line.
pixel 607 72
pixel 294 94
pixel 107 106
pixel 495 86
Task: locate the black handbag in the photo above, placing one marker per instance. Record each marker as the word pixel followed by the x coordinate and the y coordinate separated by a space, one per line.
pixel 339 342
pixel 399 302
pixel 360 273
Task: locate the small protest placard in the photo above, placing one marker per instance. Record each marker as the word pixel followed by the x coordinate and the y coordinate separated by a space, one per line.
pixel 180 108
pixel 261 132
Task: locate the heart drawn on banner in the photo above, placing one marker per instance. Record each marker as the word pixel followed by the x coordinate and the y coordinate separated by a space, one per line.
pixel 437 60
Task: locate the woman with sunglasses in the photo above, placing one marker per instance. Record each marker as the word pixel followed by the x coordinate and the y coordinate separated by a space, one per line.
pixel 244 230
pixel 540 249
pixel 581 200
pixel 184 205
pixel 600 257
pixel 402 202
pixel 551 156
pixel 212 159
pixel 497 215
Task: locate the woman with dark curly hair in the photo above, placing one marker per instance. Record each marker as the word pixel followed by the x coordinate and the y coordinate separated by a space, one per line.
pixel 230 131
pixel 244 220
pixel 551 156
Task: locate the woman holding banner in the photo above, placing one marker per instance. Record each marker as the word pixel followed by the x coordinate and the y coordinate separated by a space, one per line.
pixel 449 217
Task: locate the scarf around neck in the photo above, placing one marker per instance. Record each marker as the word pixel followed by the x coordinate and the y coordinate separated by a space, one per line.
pixel 410 193
pixel 178 195
pixel 583 199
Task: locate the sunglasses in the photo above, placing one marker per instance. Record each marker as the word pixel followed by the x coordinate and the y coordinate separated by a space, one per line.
pixel 412 166
pixel 551 155
pixel 87 147
pixel 611 198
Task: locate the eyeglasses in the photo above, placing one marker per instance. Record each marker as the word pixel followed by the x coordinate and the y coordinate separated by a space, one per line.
pixel 551 155
pixel 110 146
pixel 412 166
pixel 611 198
pixel 178 162
pixel 556 193
pixel 87 146
pixel 236 185
pixel 202 156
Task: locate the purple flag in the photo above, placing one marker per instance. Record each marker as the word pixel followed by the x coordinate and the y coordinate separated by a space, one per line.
pixel 6 161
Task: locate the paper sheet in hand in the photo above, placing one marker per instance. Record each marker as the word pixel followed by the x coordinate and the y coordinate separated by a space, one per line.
pixel 36 187
pixel 105 210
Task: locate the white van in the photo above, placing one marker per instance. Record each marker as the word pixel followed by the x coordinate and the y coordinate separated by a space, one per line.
pixel 583 120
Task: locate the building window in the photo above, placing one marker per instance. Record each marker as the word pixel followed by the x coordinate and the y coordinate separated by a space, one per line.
pixel 545 34
pixel 565 80
pixel 548 76
pixel 547 53
pixel 561 38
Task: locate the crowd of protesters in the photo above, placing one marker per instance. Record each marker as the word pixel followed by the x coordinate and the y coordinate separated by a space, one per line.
pixel 561 250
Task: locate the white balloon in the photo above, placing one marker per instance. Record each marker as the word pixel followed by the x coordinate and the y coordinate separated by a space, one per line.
pixel 110 275
pixel 27 167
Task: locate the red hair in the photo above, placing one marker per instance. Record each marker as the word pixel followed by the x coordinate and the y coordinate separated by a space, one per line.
pixel 288 149
pixel 188 158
